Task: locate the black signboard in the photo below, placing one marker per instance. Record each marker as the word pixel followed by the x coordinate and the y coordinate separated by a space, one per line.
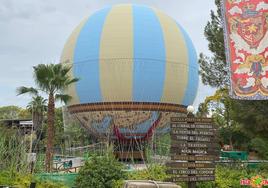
pixel 191 119
pixel 193 178
pixel 190 165
pixel 185 144
pixel 210 139
pixel 193 132
pixel 191 126
pixel 182 171
pixel 193 149
pixel 193 157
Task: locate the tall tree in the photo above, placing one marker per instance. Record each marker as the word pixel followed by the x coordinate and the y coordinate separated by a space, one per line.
pixel 37 107
pixel 221 107
pixel 214 70
pixel 52 79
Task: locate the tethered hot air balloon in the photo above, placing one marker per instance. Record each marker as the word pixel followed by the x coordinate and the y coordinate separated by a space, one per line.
pixel 137 68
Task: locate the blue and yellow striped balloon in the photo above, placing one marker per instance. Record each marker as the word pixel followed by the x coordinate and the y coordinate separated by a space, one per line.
pixel 131 53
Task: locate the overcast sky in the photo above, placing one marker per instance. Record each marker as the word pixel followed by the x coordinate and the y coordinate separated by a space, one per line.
pixel 34 32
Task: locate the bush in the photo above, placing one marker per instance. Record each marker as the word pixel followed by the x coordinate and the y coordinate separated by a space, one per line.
pixel 24 180
pixel 154 172
pixel 14 178
pixel 260 145
pixel 263 168
pixel 100 172
pixel 230 177
pixel 225 176
pixel 49 184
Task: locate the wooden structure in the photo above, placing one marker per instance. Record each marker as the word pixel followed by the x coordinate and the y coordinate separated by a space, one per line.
pixel 24 125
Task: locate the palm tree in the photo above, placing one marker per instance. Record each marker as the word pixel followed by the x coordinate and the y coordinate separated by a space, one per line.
pixel 52 79
pixel 37 107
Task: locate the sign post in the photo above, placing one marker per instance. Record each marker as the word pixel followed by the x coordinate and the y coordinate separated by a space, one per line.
pixel 191 184
pixel 193 150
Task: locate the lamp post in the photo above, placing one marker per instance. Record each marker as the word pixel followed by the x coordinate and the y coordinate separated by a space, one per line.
pixel 190 109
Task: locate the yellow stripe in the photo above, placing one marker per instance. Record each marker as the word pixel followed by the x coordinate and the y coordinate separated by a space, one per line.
pixel 177 61
pixel 117 43
pixel 67 58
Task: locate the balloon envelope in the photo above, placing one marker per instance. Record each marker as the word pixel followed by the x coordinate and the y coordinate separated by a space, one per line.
pixel 137 67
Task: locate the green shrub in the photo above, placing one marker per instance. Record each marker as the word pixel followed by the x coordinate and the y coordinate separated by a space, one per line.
pixel 260 145
pixel 154 172
pixel 20 180
pixel 15 179
pixel 227 177
pixel 49 184
pixel 263 168
pixel 118 184
pixel 100 172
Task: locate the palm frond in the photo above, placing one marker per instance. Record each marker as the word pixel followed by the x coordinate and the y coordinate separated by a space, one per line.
pixel 53 78
pixel 43 74
pixel 67 82
pixel 70 81
pixel 63 98
pixel 65 69
pixel 23 90
pixel 37 104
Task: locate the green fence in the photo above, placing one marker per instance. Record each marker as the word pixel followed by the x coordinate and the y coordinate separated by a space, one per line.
pixel 67 179
pixel 234 155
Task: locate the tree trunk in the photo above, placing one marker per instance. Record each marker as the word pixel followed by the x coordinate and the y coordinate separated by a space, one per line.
pixel 39 120
pixel 34 125
pixel 38 129
pixel 34 117
pixel 50 132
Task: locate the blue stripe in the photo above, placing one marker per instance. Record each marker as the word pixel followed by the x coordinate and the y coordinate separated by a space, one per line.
pixel 86 66
pixel 149 56
pixel 192 86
